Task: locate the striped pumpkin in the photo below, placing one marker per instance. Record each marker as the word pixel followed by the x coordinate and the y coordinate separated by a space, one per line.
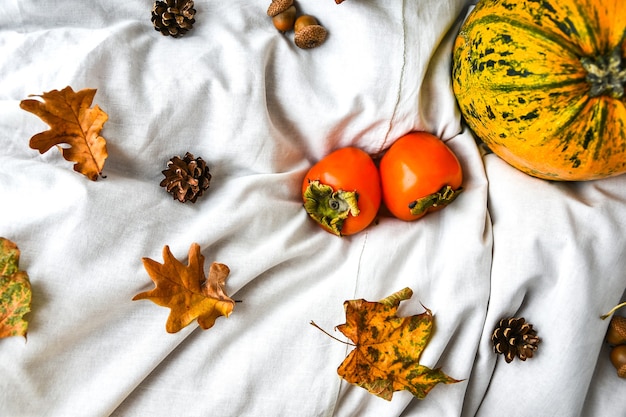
pixel 541 82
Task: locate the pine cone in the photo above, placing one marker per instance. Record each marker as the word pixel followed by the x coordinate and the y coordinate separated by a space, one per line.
pixel 514 337
pixel 186 179
pixel 173 17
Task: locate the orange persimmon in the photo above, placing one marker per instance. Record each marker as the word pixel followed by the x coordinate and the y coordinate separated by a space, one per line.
pixel 342 191
pixel 419 173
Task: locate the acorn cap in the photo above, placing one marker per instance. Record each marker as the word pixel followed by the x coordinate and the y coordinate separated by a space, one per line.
pixel 310 36
pixel 278 6
pixel 616 334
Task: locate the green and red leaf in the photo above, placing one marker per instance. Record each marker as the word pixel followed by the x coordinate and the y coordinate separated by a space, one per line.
pixel 15 292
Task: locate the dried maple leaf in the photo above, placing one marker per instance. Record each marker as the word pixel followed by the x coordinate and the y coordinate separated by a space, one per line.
pixel 74 124
pixel 186 291
pixel 388 348
pixel 15 291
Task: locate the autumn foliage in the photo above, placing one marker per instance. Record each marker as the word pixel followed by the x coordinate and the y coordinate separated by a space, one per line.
pixel 388 348
pixel 74 125
pixel 15 291
pixel 186 290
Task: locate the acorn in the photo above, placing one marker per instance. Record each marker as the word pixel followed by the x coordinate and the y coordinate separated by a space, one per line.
pixel 618 359
pixel 283 14
pixel 309 33
pixel 616 335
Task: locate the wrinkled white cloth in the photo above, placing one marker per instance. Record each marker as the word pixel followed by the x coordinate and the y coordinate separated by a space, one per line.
pixel 260 111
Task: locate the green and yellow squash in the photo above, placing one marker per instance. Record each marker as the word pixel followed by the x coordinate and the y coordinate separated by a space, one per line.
pixel 541 82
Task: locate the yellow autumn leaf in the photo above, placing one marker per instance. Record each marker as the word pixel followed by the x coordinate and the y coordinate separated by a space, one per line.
pixel 388 348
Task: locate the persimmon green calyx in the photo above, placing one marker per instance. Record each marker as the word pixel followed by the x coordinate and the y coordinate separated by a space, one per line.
pixel 439 199
pixel 328 207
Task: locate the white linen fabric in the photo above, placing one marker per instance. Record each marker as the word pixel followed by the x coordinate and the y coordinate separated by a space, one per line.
pixel 260 111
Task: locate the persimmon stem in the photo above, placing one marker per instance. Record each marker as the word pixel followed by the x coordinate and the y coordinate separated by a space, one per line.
pixel 330 335
pixel 441 198
pixel 613 310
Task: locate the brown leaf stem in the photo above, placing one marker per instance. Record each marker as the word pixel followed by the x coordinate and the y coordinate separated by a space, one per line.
pixel 613 310
pixel 330 335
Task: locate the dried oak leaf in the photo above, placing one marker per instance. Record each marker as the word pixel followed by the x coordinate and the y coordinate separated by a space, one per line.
pixel 15 291
pixel 72 124
pixel 388 348
pixel 186 291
